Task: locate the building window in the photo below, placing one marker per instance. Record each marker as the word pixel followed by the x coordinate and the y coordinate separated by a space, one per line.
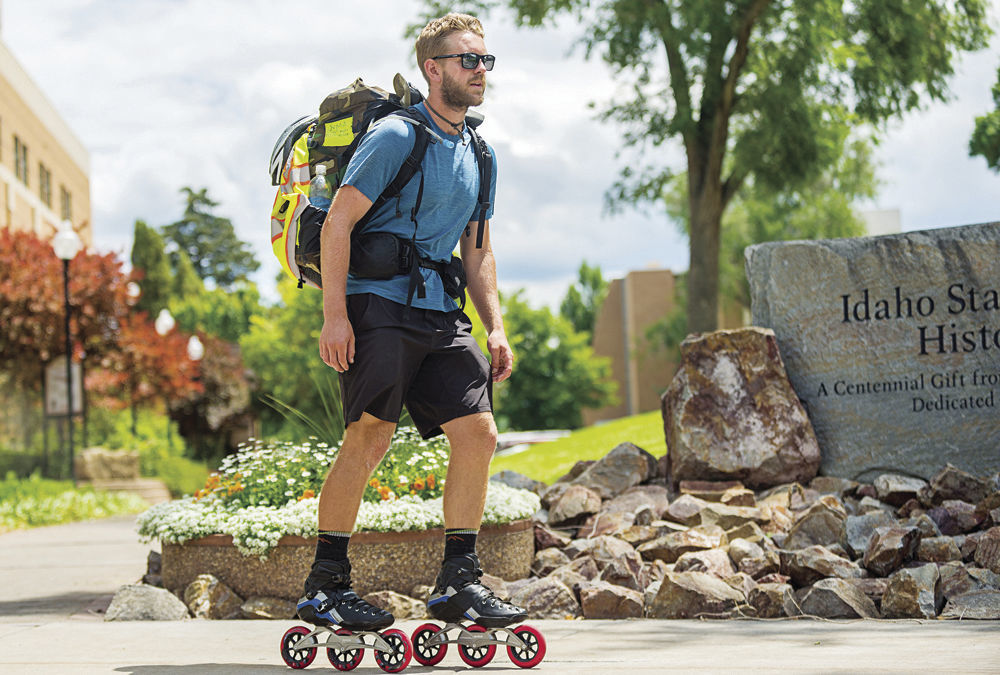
pixel 65 203
pixel 20 160
pixel 45 185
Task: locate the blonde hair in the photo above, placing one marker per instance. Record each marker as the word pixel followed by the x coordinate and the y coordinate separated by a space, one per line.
pixel 431 41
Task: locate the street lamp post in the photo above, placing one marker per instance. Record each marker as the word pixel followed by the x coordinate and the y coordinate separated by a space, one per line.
pixel 67 244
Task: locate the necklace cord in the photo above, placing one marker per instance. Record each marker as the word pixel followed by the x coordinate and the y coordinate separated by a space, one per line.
pixel 457 127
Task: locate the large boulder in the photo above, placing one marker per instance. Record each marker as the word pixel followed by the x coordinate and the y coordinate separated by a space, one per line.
pixel 547 598
pixel 731 413
pixel 837 599
pixel 822 524
pixel 670 547
pixel 912 592
pixel 811 564
pixel 574 505
pixel 953 483
pixel 988 550
pixel 209 598
pixel 889 548
pixel 859 530
pixel 139 602
pixel 691 595
pixel 602 600
pixel 625 466
pixel 973 605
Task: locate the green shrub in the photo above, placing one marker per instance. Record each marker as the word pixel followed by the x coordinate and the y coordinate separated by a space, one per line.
pixel 36 501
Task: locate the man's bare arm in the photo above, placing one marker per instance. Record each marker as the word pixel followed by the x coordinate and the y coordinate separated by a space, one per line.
pixel 481 273
pixel 336 340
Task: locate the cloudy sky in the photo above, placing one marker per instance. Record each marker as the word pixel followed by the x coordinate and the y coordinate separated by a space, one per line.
pixel 168 93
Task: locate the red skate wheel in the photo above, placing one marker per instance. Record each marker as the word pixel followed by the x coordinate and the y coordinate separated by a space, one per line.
pixel 401 654
pixel 427 655
pixel 296 658
pixel 344 659
pixel 477 657
pixel 534 647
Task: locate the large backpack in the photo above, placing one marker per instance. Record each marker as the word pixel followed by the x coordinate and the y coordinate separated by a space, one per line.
pixel 330 139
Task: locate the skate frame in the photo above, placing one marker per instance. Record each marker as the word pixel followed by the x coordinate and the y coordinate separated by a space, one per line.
pixel 341 642
pixel 475 639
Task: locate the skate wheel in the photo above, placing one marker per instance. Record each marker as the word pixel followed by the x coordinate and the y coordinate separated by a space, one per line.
pixel 534 650
pixel 401 654
pixel 296 658
pixel 344 659
pixel 477 657
pixel 427 655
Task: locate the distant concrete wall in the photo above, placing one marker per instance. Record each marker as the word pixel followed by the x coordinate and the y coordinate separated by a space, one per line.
pixel 642 371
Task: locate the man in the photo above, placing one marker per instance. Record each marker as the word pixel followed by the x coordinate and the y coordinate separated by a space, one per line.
pixel 389 354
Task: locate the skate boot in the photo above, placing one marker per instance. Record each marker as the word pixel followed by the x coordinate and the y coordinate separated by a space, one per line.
pixel 328 600
pixel 458 595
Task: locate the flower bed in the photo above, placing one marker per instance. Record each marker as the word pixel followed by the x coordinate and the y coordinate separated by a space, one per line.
pixel 267 491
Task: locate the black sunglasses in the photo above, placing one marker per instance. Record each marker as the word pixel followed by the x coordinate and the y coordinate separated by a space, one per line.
pixel 470 60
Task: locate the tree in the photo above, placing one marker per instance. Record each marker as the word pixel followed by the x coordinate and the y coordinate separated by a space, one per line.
pixel 149 261
pixel 985 139
pixel 149 367
pixel 31 305
pixel 214 418
pixel 186 282
pixel 556 373
pixel 223 313
pixel 583 299
pixel 282 348
pixel 210 242
pixel 822 209
pixel 754 90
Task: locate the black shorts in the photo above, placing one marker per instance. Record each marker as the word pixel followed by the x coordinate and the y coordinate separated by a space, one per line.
pixel 430 362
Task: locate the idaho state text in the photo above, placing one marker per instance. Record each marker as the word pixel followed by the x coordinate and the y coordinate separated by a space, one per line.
pixel 942 338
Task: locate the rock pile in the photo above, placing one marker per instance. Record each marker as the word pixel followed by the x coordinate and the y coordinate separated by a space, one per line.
pixel 612 544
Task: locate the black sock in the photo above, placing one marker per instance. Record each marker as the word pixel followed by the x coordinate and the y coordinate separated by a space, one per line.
pixel 332 545
pixel 458 541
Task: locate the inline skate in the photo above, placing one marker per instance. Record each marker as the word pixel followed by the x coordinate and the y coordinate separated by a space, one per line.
pixel 343 621
pixel 480 618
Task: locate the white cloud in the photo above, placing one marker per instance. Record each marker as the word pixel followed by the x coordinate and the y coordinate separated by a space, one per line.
pixel 168 93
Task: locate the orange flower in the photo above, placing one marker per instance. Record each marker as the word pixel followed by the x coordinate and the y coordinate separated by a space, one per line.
pixel 417 485
pixel 308 494
pixel 374 483
pixel 384 492
pixel 430 481
pixel 236 487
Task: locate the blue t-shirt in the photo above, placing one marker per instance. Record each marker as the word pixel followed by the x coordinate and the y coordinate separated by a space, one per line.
pixel 451 192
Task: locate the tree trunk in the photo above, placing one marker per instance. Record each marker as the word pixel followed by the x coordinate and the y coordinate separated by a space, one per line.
pixel 703 268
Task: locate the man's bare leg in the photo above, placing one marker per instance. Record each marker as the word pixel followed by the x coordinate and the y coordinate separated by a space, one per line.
pixel 473 439
pixel 458 594
pixel 328 598
pixel 365 443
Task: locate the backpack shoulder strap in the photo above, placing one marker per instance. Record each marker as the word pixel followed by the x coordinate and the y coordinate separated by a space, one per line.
pixel 485 160
pixel 408 169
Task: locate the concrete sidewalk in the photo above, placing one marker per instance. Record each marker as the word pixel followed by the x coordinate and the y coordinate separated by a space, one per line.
pixel 54 581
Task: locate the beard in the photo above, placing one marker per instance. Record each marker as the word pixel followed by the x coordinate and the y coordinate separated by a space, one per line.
pixel 457 95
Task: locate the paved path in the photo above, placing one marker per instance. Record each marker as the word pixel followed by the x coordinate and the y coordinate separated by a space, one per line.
pixel 54 580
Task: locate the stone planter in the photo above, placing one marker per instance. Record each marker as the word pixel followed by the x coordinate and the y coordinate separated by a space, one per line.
pixel 395 561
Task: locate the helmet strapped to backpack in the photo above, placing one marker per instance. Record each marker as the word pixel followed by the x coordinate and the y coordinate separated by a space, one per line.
pixel 330 139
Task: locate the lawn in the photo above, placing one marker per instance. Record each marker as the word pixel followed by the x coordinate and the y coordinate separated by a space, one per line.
pixel 549 461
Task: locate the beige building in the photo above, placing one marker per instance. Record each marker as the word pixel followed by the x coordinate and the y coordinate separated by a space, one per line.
pixel 643 370
pixel 44 168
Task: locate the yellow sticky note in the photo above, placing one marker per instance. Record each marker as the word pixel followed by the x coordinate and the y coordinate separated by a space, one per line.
pixel 339 132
